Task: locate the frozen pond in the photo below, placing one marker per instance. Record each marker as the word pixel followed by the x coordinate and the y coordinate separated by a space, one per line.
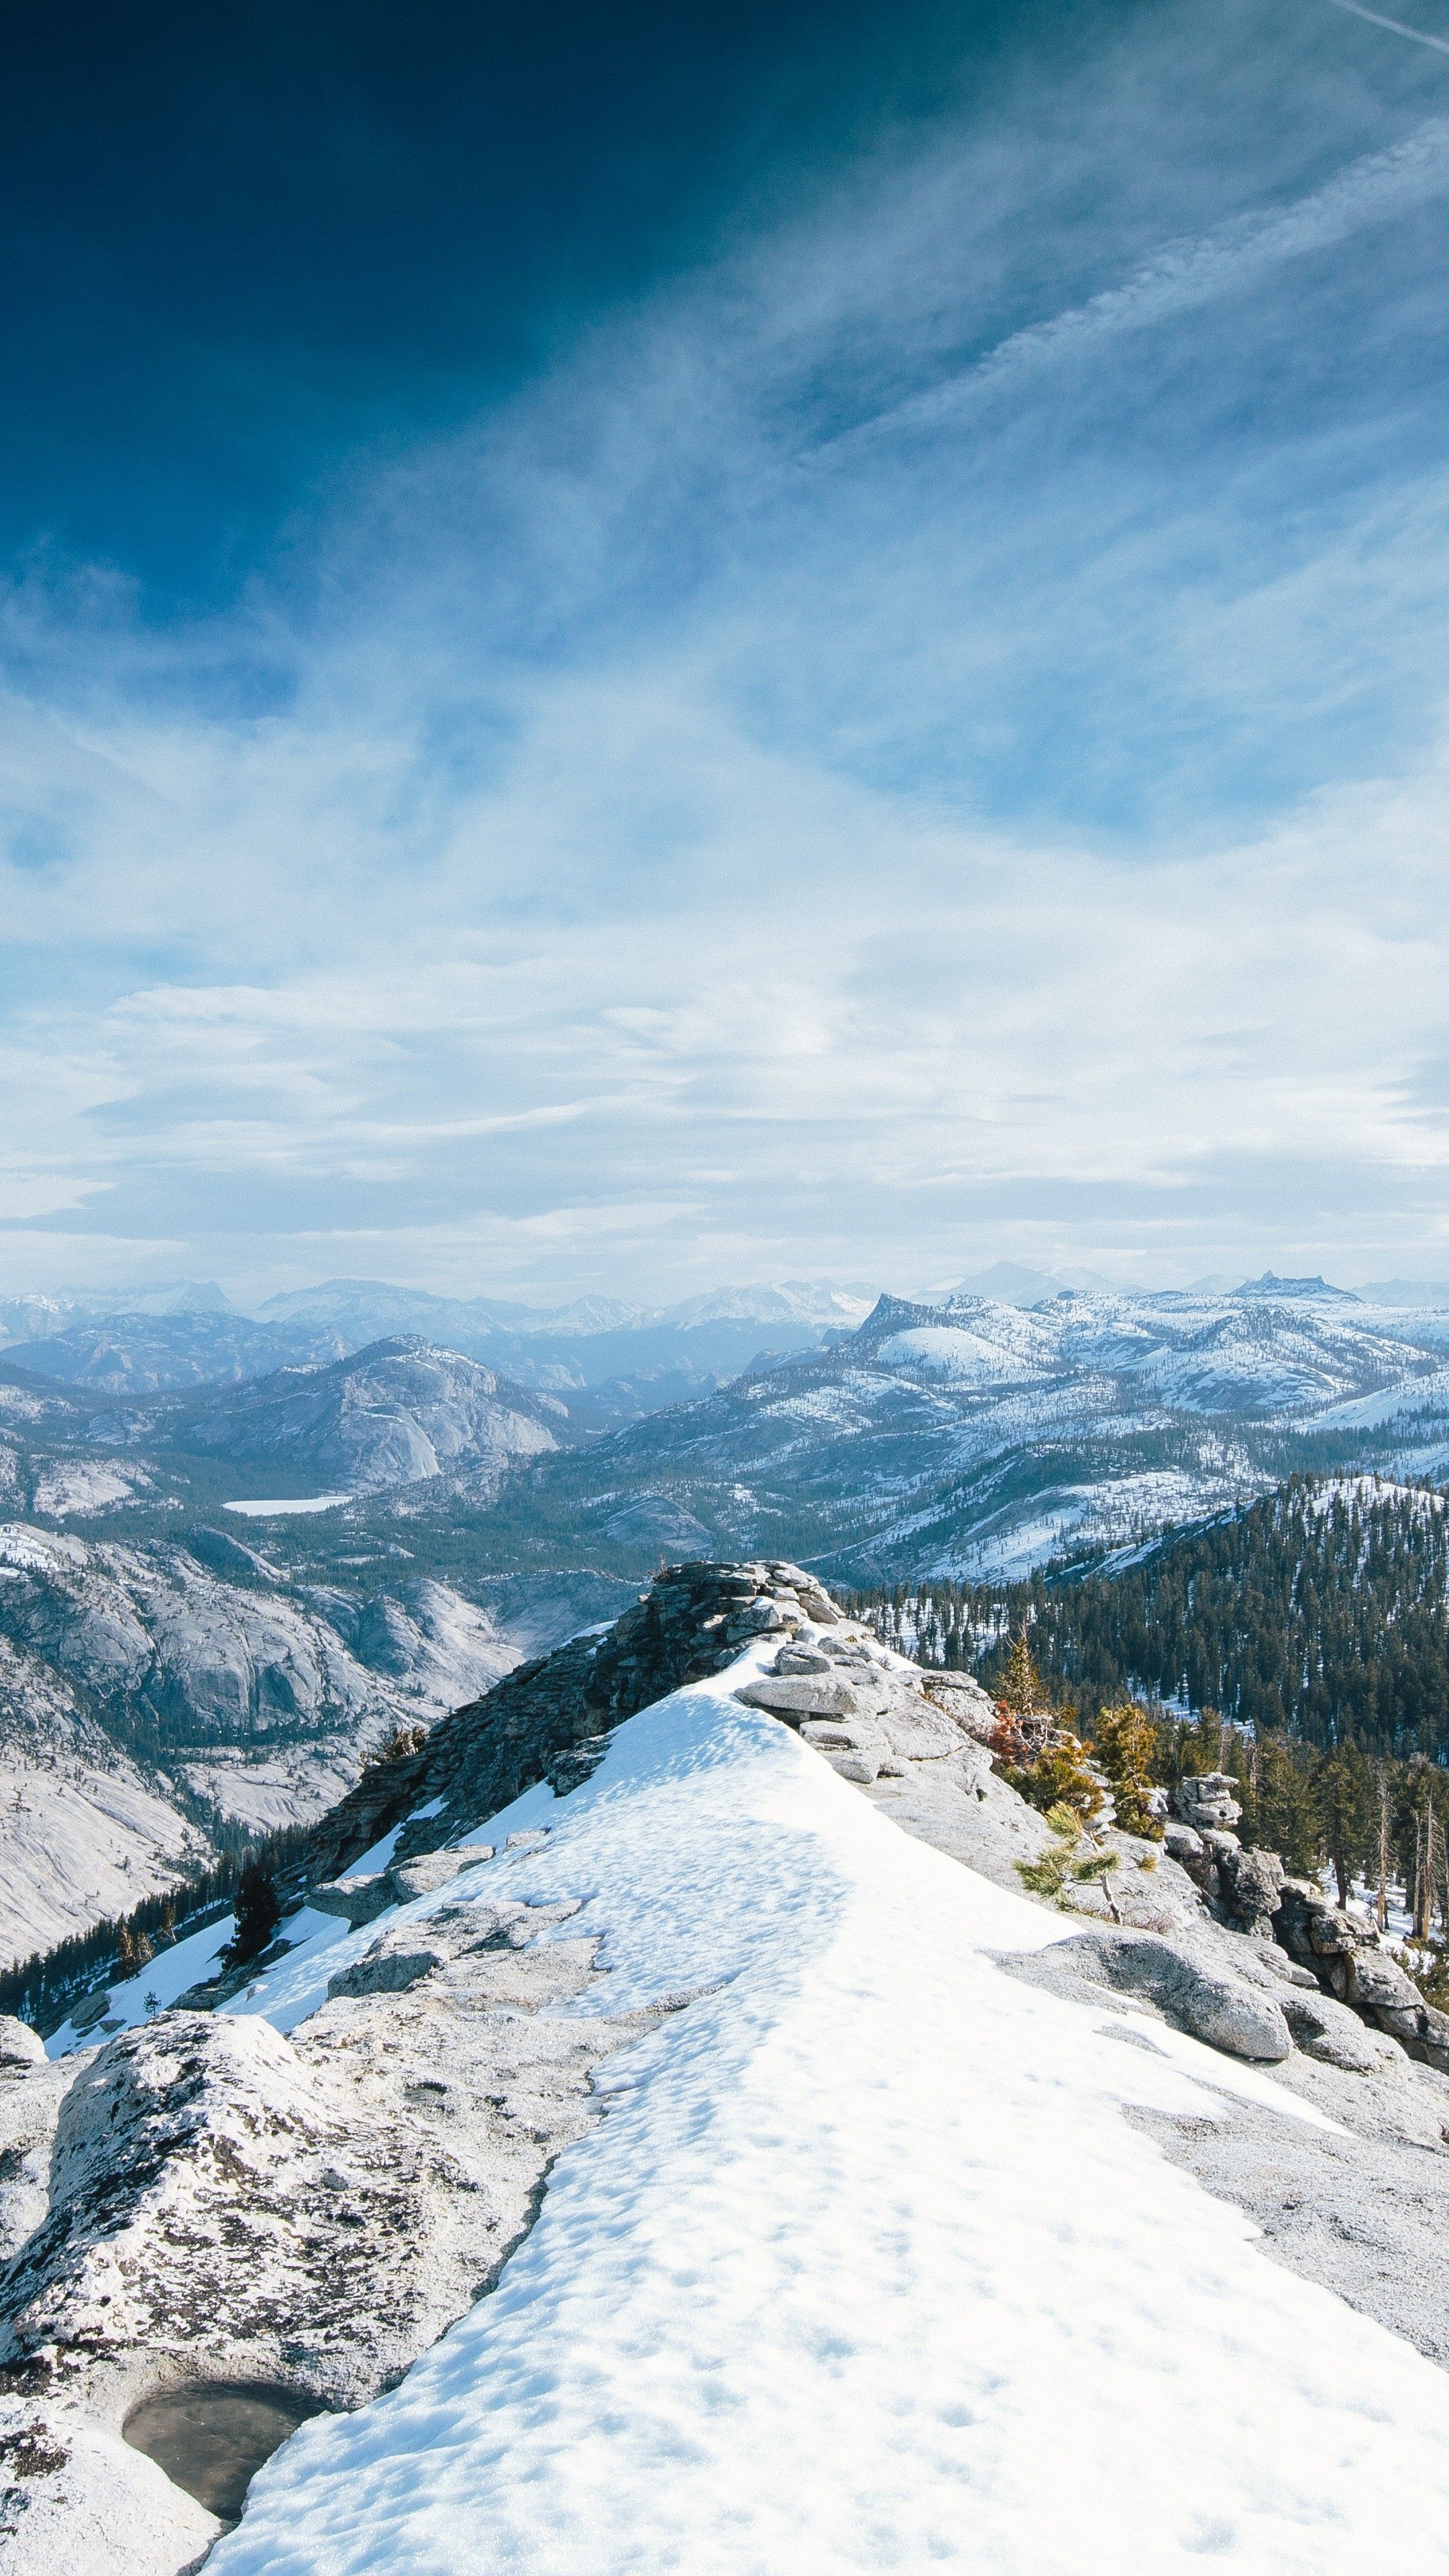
pixel 212 2438
pixel 290 1503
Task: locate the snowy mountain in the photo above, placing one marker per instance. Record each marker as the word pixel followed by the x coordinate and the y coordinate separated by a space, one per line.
pixel 979 1436
pixel 150 1355
pixel 612 1362
pixel 712 2157
pixel 397 1413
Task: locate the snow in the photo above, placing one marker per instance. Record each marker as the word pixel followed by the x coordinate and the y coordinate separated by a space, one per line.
pixel 290 1503
pixel 980 1358
pixel 864 2269
pixel 85 1487
pixel 166 1976
pixel 1416 1395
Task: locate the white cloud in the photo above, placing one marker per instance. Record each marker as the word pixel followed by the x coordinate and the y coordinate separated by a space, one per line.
pixel 659 859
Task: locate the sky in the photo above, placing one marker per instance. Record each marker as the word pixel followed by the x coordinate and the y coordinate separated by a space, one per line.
pixel 648 648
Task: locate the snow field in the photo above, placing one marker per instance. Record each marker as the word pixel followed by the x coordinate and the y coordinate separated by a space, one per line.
pixel 864 2269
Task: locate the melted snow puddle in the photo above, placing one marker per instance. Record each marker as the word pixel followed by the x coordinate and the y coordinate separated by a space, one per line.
pixel 213 2437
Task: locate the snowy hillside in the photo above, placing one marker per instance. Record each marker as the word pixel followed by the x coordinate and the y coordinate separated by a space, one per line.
pixel 694 2168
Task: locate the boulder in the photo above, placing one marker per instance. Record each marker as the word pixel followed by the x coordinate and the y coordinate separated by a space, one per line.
pixel 800 1695
pixel 1196 1995
pixel 1328 2030
pixel 857 1749
pixel 19 2044
pixel 432 1870
pixel 965 1703
pixel 917 1732
pixel 1182 1843
pixel 357 1900
pixel 1207 1800
pixel 390 1967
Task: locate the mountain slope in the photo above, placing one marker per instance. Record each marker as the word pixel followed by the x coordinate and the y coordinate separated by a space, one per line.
pixel 151 1355
pixel 146 1691
pixel 397 1413
pixel 1321 1610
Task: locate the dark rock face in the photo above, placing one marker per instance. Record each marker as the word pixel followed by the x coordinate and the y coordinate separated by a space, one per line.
pixel 551 1719
pixel 1252 1886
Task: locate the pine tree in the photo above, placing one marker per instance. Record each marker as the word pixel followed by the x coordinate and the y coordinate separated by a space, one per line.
pixel 1125 1745
pixel 1019 1688
pixel 1286 1816
pixel 1347 1804
pixel 258 1912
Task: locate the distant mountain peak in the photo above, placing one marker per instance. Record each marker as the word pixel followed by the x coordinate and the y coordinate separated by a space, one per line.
pixel 1270 1285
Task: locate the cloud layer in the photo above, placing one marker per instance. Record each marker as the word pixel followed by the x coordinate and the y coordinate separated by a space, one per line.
pixel 924 741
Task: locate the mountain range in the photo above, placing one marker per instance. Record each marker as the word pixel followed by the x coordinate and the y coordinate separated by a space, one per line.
pixel 610 1362
pixel 212 1599
pixel 973 1436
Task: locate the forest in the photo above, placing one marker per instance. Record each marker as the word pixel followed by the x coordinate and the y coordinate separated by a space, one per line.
pixel 1300 1643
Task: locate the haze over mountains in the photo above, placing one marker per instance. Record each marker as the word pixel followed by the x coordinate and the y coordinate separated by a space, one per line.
pixel 614 1361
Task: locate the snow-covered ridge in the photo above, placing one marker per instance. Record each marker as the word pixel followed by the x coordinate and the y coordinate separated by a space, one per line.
pixel 868 2264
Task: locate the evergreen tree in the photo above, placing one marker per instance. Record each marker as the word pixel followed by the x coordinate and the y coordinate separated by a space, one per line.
pixel 1018 1688
pixel 1347 1803
pixel 1125 1746
pixel 1283 1812
pixel 258 1912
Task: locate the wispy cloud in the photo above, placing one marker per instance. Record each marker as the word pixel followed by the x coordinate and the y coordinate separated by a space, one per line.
pixel 924 739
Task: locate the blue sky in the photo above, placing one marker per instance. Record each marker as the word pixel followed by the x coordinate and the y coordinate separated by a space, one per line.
pixel 641 654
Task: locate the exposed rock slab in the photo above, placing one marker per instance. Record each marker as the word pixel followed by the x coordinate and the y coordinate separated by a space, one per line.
pixel 1195 1992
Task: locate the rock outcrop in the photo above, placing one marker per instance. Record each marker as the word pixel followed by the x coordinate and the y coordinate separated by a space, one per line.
pixel 1199 1994
pixel 551 1718
pixel 1206 1802
pixel 857 1705
pixel 1350 1963
pixel 227 2204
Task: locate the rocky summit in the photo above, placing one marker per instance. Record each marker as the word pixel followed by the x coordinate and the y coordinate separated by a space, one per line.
pixel 370 2151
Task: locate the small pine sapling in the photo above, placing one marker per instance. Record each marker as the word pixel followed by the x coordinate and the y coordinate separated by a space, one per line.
pixel 1065 1865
